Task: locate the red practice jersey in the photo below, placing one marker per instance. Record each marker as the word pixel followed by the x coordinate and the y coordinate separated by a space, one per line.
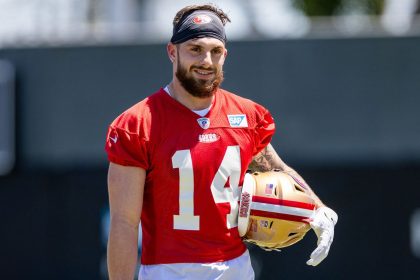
pixel 195 168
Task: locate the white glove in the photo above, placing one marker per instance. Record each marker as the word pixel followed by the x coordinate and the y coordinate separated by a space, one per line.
pixel 322 222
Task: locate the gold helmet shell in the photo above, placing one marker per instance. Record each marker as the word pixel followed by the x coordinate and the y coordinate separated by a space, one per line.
pixel 274 210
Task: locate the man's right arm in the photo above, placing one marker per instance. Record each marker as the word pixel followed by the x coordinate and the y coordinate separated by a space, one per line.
pixel 125 190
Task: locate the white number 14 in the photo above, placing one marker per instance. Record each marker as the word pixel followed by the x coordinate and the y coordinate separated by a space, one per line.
pixel 230 168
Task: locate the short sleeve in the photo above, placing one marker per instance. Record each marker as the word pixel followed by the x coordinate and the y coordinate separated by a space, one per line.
pixel 264 131
pixel 126 148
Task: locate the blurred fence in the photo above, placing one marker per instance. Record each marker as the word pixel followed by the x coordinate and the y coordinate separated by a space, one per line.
pixel 7 117
pixel 347 116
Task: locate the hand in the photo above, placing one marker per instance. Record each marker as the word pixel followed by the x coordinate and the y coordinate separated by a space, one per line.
pixel 322 222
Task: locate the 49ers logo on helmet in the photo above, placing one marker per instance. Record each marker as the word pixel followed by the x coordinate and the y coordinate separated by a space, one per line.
pixel 201 19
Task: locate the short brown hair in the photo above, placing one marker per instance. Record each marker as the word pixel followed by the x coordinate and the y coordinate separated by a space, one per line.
pixel 192 8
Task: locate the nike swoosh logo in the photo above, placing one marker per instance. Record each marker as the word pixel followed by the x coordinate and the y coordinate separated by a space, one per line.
pixel 114 139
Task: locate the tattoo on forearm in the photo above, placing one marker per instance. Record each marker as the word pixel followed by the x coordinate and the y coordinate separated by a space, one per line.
pixel 264 161
pixel 268 160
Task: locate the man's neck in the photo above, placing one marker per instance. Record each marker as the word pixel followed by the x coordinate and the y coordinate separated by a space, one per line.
pixel 178 92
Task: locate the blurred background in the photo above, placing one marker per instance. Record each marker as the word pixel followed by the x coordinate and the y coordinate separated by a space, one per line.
pixel 341 78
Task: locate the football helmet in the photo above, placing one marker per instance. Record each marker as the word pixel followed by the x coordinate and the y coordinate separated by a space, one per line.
pixel 274 210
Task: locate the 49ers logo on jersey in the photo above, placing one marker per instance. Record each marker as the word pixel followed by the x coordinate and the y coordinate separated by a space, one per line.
pixel 208 137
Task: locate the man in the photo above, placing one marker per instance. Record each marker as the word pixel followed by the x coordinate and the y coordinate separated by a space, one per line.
pixel 178 159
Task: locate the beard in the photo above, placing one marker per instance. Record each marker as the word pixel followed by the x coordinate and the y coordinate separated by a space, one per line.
pixel 198 87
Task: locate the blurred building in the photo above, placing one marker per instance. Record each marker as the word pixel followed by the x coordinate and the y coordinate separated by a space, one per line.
pixel 69 22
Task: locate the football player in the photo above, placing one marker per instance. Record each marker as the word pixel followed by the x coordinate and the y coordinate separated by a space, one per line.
pixel 177 164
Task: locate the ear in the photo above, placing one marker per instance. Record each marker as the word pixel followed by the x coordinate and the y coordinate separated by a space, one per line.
pixel 226 53
pixel 171 50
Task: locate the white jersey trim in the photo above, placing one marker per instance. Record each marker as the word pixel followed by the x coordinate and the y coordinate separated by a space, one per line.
pixel 201 113
pixel 237 268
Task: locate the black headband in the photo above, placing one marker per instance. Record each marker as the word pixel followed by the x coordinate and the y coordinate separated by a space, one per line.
pixel 198 24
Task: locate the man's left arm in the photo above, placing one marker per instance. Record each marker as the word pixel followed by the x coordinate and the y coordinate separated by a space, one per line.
pixel 323 219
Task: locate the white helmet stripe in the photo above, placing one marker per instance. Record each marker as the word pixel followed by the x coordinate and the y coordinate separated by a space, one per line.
pixel 295 211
